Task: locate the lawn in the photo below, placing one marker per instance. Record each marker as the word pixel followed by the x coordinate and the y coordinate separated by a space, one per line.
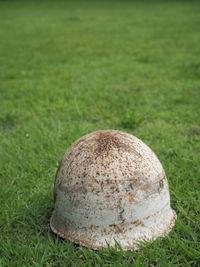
pixel 68 68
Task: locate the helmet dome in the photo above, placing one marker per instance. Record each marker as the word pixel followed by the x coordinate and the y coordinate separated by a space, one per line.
pixel 111 186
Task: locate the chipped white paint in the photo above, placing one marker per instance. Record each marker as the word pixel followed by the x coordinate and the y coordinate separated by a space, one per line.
pixel 111 186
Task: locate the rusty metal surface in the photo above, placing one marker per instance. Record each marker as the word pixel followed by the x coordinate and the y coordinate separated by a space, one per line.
pixel 111 186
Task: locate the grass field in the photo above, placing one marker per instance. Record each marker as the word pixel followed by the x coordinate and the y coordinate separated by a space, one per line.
pixel 71 67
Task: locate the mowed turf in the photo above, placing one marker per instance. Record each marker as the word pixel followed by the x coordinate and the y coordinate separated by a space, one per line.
pixel 68 68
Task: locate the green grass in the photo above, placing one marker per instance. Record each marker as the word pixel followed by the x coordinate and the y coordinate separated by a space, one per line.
pixel 71 67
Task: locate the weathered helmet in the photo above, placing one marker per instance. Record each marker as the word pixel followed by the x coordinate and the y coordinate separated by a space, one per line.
pixel 111 186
